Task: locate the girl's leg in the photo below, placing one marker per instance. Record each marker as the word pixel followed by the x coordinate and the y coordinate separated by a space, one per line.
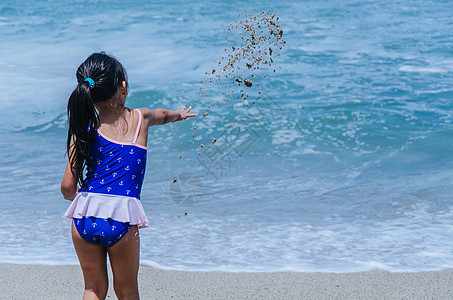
pixel 93 260
pixel 124 258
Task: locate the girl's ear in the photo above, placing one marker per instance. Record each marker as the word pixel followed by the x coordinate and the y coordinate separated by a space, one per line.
pixel 124 88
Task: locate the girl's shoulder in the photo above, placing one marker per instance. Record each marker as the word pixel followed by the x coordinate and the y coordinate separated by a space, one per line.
pixel 146 113
pixel 141 134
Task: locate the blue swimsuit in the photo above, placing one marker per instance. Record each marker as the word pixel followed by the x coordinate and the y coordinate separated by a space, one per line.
pixel 97 230
pixel 110 204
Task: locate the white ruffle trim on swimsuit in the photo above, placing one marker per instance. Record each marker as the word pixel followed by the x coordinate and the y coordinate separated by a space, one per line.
pixel 118 208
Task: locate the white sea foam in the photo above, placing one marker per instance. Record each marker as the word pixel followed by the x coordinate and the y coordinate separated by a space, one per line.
pixel 285 136
pixel 416 69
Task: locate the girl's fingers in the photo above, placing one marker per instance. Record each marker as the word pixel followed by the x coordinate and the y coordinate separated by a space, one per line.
pixel 189 116
pixel 185 112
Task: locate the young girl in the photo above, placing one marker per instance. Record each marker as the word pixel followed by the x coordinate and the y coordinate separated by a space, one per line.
pixel 108 141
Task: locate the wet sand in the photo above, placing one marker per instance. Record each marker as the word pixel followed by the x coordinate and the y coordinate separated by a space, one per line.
pixel 66 282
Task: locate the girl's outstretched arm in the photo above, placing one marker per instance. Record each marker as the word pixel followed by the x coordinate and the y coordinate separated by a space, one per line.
pixel 163 116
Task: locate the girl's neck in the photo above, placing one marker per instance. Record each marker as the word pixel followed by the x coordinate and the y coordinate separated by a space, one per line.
pixel 110 112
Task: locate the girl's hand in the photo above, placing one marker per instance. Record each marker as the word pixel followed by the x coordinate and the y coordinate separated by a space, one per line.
pixel 184 113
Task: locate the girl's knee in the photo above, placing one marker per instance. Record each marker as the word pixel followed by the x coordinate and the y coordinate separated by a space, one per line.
pixel 98 289
pixel 126 289
pixel 98 286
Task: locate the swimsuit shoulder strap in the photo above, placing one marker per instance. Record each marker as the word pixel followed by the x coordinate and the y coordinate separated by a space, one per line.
pixel 137 131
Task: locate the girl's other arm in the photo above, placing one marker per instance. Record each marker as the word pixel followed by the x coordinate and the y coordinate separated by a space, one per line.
pixel 163 116
pixel 68 185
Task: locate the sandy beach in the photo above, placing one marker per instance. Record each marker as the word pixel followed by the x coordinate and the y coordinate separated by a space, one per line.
pixel 66 282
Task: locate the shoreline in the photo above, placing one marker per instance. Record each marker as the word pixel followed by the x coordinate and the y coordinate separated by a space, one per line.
pixel 22 281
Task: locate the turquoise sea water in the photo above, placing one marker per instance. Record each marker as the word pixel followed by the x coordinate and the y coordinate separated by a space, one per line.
pixel 346 164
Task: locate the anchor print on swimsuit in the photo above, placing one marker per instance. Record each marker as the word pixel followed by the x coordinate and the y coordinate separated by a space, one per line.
pixel 106 232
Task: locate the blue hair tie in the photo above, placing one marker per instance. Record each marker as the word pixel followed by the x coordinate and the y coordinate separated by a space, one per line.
pixel 91 83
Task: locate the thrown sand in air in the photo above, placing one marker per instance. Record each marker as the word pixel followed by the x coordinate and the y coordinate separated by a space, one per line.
pixel 257 41
pixel 243 70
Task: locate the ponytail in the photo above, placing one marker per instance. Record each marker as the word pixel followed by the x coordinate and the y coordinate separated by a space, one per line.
pixel 99 78
pixel 83 121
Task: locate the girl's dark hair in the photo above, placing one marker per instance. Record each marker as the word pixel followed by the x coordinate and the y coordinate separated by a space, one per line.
pixel 108 75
